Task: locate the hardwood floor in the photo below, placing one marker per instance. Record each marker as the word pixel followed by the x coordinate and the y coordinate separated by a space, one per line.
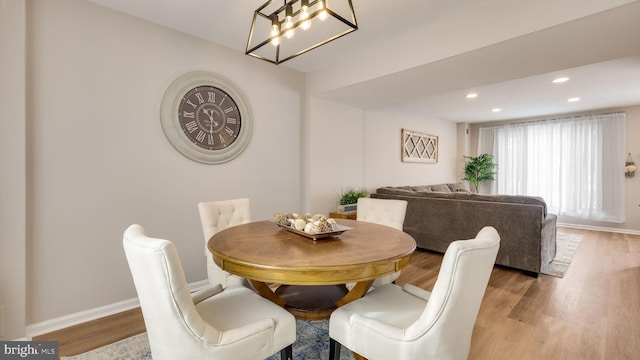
pixel 96 333
pixel 591 313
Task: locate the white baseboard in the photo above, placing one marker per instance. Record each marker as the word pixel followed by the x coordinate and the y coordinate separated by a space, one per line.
pixel 599 228
pixel 91 314
pixel 79 317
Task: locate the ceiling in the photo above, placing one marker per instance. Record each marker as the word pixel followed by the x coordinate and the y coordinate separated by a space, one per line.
pixel 599 52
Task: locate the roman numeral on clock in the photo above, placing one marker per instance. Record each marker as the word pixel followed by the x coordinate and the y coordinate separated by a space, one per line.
pixel 191 126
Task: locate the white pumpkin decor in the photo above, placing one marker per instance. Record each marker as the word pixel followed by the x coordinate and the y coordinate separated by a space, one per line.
pixel 309 223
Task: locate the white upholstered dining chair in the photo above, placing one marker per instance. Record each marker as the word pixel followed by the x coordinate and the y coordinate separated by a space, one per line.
pixel 388 212
pixel 391 322
pixel 216 216
pixel 232 323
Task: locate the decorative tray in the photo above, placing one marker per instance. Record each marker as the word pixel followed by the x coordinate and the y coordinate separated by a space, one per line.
pixel 317 236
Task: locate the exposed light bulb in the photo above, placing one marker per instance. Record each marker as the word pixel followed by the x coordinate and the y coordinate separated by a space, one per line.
pixel 275 31
pixel 289 32
pixel 304 15
pixel 305 25
pixel 323 14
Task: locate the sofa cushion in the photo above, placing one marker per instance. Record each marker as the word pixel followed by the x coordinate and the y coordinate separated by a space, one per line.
pixel 423 188
pixel 440 188
pixel 449 195
pixel 458 187
pixel 394 191
pixel 521 199
pixel 514 199
pixel 483 197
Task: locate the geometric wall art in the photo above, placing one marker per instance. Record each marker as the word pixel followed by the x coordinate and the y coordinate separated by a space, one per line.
pixel 419 147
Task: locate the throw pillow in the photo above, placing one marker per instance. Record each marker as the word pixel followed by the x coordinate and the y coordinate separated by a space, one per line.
pixel 458 187
pixel 440 188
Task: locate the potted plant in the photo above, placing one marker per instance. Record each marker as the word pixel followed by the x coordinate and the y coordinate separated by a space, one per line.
pixel 479 169
pixel 348 201
pixel 629 167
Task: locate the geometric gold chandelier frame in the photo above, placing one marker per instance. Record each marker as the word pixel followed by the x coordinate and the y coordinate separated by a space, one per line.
pixel 282 30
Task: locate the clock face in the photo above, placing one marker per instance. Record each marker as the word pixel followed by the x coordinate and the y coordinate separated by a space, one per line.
pixel 205 117
pixel 209 117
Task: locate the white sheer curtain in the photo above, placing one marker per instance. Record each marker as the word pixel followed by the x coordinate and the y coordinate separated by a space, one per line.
pixel 575 164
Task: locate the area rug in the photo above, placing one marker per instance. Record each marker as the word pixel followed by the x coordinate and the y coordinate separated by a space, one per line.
pixel 312 343
pixel 566 247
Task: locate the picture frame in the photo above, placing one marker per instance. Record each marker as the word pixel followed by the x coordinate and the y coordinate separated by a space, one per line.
pixel 419 147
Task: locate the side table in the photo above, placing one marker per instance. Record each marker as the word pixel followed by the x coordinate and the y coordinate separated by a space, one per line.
pixel 352 215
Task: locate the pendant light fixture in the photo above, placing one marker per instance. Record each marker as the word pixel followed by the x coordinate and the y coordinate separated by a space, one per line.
pixel 280 33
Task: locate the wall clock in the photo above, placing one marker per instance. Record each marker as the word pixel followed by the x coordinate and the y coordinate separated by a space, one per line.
pixel 205 117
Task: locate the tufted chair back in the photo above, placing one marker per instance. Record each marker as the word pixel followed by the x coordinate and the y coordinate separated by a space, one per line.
pixel 393 322
pixel 387 212
pixel 447 321
pixel 216 216
pixel 234 323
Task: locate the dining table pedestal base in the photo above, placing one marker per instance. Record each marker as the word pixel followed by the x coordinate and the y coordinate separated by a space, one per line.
pixel 314 302
pixel 311 302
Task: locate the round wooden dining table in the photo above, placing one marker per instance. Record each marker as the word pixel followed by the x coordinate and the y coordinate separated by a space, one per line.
pixel 305 276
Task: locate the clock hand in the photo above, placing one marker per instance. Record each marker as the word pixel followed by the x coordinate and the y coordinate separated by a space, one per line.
pixel 215 123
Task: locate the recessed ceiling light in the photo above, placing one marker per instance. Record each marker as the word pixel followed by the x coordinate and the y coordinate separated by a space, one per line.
pixel 560 80
pixel 472 96
pixel 573 99
pixel 496 109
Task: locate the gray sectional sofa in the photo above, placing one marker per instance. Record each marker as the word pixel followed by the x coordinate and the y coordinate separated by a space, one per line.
pixel 439 214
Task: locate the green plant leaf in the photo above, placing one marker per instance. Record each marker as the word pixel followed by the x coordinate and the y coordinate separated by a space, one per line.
pixel 479 169
pixel 351 195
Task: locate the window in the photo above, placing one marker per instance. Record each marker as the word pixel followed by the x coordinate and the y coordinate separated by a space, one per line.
pixel 575 163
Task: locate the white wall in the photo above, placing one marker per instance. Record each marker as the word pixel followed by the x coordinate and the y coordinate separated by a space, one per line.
pixel 335 152
pixel 382 151
pixel 99 160
pixel 351 147
pixel 12 163
pixel 632 185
